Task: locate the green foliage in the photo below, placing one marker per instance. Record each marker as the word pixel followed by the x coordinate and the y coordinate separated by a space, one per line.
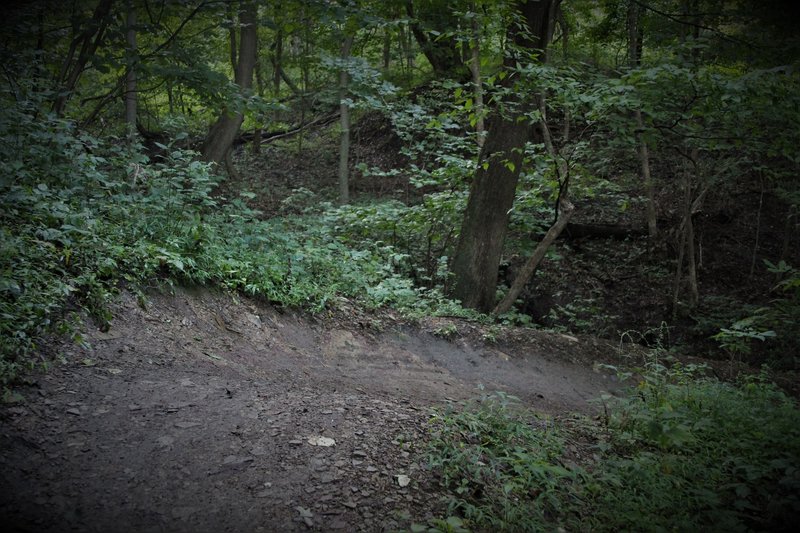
pixel 679 452
pixel 500 466
pixel 778 323
pixel 692 453
pixel 421 236
pixel 79 216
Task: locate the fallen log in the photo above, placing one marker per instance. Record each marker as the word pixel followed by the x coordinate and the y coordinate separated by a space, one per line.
pixel 287 132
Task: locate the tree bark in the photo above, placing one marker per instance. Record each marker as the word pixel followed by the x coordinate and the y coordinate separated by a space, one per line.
pixel 480 245
pixel 649 187
pixel 686 249
pixel 221 135
pixel 259 120
pixel 387 47
pixel 344 121
pixel 232 35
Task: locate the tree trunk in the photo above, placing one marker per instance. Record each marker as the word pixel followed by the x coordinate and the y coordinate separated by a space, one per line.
pixel 130 76
pixel 387 47
pixel 635 59
pixel 649 187
pixel 232 35
pixel 686 249
pixel 221 135
pixel 480 245
pixel 259 120
pixel 565 29
pixel 344 121
pixel 89 41
pixel 694 207
pixel 527 271
pixel 691 264
pixel 442 52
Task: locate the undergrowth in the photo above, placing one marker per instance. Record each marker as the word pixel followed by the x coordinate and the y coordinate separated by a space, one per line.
pixel 79 216
pixel 679 452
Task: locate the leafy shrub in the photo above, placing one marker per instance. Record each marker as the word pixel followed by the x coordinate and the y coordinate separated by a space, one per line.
pixel 778 323
pixel 680 452
pixel 500 466
pixel 421 236
pixel 80 215
pixel 691 453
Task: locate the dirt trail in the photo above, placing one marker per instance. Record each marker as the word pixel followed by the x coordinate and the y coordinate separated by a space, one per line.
pixel 199 413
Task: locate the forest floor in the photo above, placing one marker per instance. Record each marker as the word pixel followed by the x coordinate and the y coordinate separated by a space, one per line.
pixel 202 411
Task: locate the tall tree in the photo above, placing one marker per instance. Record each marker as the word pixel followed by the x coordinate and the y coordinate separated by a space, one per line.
pixel 480 245
pixel 221 135
pixel 475 70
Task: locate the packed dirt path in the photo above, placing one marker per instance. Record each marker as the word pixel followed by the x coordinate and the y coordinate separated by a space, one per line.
pixel 204 412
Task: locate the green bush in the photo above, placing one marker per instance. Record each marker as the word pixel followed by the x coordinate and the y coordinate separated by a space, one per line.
pixel 500 466
pixel 679 453
pixel 78 216
pixel 777 323
pixel 694 453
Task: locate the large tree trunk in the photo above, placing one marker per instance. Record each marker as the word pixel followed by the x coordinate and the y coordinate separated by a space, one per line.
pixel 221 135
pixel 480 245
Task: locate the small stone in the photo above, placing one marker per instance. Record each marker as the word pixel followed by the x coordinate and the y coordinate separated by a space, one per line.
pixel 165 441
pixel 258 451
pixel 321 441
